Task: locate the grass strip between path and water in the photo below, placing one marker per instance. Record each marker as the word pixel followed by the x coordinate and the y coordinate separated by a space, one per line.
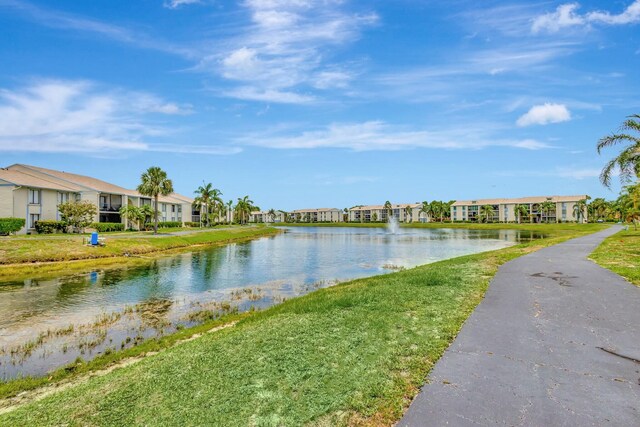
pixel 620 253
pixel 51 256
pixel 353 354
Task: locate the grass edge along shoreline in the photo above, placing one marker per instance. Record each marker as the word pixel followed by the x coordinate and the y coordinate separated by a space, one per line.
pixel 438 296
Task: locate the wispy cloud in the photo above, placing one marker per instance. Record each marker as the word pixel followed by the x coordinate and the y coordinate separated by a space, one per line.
pixel 567 15
pixel 80 117
pixel 380 136
pixel 545 114
pixel 174 4
pixel 567 172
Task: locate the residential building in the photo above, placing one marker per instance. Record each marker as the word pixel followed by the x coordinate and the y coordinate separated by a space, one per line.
pixel 504 210
pixel 407 212
pixel 263 216
pixel 317 215
pixel 34 193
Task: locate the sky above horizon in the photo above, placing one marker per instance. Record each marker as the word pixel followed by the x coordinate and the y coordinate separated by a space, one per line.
pixel 327 103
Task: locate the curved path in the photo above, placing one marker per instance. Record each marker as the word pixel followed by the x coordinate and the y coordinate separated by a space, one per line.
pixel 553 343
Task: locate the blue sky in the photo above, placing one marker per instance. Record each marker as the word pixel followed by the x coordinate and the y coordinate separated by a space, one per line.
pixel 326 103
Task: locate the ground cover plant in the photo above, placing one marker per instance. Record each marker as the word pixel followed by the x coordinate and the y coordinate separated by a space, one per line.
pixel 355 353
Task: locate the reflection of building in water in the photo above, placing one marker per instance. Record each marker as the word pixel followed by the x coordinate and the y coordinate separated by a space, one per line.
pixel 534 209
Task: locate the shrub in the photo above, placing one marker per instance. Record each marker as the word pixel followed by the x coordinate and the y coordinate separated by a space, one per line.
pixel 192 224
pixel 50 226
pixel 169 224
pixel 11 225
pixel 104 227
pixel 78 214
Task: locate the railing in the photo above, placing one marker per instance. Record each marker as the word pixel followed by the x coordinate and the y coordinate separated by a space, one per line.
pixel 107 207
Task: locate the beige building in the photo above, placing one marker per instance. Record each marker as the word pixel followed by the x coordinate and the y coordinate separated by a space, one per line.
pixel 504 210
pixel 264 217
pixel 34 193
pixel 407 212
pixel 317 215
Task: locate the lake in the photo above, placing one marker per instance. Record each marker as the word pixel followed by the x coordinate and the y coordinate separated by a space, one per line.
pixel 45 324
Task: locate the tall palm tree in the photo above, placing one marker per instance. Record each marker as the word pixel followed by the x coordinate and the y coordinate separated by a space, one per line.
pixel 486 212
pixel 208 199
pixel 389 209
pixel 154 184
pixel 521 211
pixel 408 210
pixel 579 208
pixel 229 210
pixel 628 160
pixel 244 207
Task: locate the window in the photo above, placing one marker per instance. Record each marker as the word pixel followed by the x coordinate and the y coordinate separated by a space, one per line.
pixel 63 197
pixel 34 197
pixel 179 208
pixel 173 208
pixel 33 218
pixel 164 207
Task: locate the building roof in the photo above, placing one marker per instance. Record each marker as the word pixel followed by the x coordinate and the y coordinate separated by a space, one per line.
pixel 20 178
pixel 66 181
pixel 316 210
pixel 523 200
pixel 381 207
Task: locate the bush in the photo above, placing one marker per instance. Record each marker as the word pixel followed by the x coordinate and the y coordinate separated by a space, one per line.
pixel 11 225
pixel 50 226
pixel 169 224
pixel 104 227
pixel 192 224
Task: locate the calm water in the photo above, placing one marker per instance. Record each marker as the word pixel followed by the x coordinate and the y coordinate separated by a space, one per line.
pixel 112 310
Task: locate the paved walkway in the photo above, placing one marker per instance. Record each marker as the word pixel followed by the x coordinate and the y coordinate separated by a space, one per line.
pixel 552 344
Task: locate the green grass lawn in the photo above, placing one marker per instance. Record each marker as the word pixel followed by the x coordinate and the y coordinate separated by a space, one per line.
pixel 19 257
pixel 355 353
pixel 620 253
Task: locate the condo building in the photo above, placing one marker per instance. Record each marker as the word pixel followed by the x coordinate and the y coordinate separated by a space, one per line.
pixel 34 193
pixel 562 209
pixel 408 212
pixel 265 217
pixel 317 215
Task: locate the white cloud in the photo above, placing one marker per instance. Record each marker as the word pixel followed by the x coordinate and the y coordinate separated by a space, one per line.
pixel 566 15
pixel 174 4
pixel 250 93
pixel 545 114
pixel 80 117
pixel 380 136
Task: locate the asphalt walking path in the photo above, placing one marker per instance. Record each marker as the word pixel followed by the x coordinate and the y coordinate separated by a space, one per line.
pixel 555 342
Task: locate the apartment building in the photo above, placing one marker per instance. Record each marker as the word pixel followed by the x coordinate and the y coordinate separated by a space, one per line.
pixel 34 193
pixel 264 217
pixel 504 210
pixel 317 215
pixel 407 212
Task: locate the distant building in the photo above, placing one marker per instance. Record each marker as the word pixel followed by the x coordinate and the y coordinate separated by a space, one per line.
pixel 34 193
pixel 317 215
pixel 263 216
pixel 504 210
pixel 407 212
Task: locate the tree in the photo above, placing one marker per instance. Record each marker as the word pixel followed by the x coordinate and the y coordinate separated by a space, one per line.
pixel 628 160
pixel 154 183
pixel 389 209
pixel 147 214
pixel 629 202
pixel 132 214
pixel 486 212
pixel 408 210
pixel 546 207
pixel 521 211
pixel 426 210
pixel 243 209
pixel 209 201
pixel 374 217
pixel 229 211
pixel 579 209
pixel 78 215
pixel 272 214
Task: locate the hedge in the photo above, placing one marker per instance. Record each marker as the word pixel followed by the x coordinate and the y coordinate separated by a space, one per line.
pixel 192 224
pixel 169 224
pixel 11 225
pixel 50 226
pixel 104 227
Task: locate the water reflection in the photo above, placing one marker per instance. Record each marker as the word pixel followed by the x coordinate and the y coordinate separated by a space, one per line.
pixel 276 267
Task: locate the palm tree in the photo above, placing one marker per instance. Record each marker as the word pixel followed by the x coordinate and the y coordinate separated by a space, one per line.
pixel 271 214
pixel 154 184
pixel 132 214
pixel 244 207
pixel 629 202
pixel 486 212
pixel 229 210
pixel 546 207
pixel 208 200
pixel 426 210
pixel 628 160
pixel 578 209
pixel 389 209
pixel 408 210
pixel 146 214
pixel 521 211
pixel 447 210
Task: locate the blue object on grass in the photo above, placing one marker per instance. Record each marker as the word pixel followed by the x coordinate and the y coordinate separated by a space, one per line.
pixel 94 238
